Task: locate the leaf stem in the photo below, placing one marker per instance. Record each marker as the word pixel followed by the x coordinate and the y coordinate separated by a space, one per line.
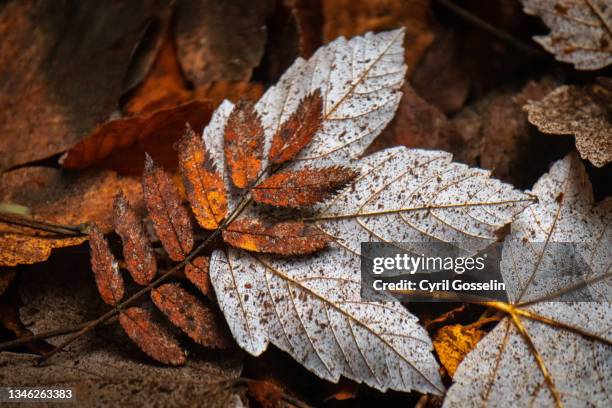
pixel 77 230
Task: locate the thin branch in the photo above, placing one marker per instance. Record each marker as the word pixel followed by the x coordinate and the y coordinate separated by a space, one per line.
pixel 78 230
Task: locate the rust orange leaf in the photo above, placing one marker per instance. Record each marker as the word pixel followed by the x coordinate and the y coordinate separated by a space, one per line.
pixel 283 238
pixel 190 315
pixel 151 337
pixel 203 184
pixel 137 251
pixel 243 147
pixel 105 268
pixel 454 342
pixel 295 133
pixel 300 188
pixel 170 218
pixel 197 273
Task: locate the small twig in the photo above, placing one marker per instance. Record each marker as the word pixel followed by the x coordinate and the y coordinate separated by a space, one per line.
pixel 502 35
pixel 70 230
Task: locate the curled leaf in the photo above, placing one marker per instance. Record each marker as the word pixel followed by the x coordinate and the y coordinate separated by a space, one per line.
pixel 297 131
pixel 197 273
pixel 203 185
pixel 573 110
pixel 453 342
pixel 243 144
pixel 190 315
pixel 150 337
pixel 170 219
pixel 283 238
pixel 137 251
pixel 105 268
pixel 303 187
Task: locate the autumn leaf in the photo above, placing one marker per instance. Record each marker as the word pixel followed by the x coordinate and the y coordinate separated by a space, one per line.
pixel 137 251
pixel 170 219
pixel 152 338
pixel 297 131
pixel 203 185
pixel 105 268
pixel 573 110
pixel 453 342
pixel 282 238
pixel 553 348
pixel 197 273
pixel 301 188
pixel 243 144
pixel 581 31
pixel 189 314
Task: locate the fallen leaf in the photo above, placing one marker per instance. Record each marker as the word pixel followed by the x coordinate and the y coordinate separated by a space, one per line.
pixel 220 40
pixel 311 307
pixel 266 393
pixel 301 188
pixel 190 315
pixel 452 343
pixel 581 32
pixel 48 193
pixel 150 337
pixel 137 251
pixel 297 131
pixel 133 136
pixel 551 346
pixel 197 273
pixel 55 57
pixel 243 144
pixel 282 238
pixel 170 218
pixel 308 15
pixel 105 268
pixel 203 184
pixel 571 110
pixel 355 17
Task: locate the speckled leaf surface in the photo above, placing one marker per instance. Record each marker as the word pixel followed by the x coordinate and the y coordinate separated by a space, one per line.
pixel 581 30
pixel 549 352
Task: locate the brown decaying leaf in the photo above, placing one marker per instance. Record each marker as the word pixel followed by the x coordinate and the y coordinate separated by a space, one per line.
pixel 301 188
pixel 203 184
pixel 573 110
pixel 353 17
pixel 62 66
pixel 105 268
pixel 452 343
pixel 170 218
pixel 197 273
pixel 283 238
pixel 297 131
pixel 266 393
pixel 137 251
pixel 152 338
pixel 189 314
pixel 243 144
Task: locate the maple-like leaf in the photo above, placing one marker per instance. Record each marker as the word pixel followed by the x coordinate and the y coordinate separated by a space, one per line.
pixel 581 31
pixel 105 268
pixel 550 351
pixel 282 238
pixel 137 251
pixel 152 338
pixel 311 306
pixel 577 111
pixel 301 188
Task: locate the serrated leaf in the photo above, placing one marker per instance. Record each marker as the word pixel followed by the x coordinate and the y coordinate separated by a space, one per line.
pixel 190 315
pixel 150 337
pixel 106 270
pixel 581 31
pixel 282 238
pixel 311 306
pixel 297 131
pixel 197 273
pixel 557 353
pixel 301 188
pixel 243 144
pixel 571 110
pixel 170 218
pixel 137 251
